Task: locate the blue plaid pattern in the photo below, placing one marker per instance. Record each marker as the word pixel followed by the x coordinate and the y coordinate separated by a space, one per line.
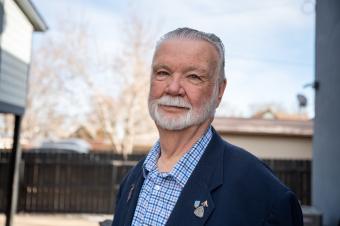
pixel 160 191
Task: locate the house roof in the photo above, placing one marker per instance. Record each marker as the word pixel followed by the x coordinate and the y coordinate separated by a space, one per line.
pixel 32 14
pixel 225 126
pixel 270 113
pixel 258 126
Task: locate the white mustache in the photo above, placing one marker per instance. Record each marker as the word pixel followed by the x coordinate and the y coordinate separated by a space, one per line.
pixel 174 102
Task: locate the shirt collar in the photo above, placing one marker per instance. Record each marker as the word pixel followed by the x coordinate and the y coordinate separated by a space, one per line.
pixel 184 167
pixel 150 162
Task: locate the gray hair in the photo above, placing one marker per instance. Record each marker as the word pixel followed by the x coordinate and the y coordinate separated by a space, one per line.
pixel 192 34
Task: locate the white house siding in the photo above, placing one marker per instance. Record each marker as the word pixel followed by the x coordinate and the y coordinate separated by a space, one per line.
pixel 17 36
pixel 16 42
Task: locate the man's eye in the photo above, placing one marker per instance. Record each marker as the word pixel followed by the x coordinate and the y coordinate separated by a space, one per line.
pixel 194 77
pixel 162 73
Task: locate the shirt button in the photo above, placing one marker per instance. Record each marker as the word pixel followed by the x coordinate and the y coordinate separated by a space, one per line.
pixel 157 187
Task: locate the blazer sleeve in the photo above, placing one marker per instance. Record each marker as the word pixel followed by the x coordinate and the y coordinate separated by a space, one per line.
pixel 285 212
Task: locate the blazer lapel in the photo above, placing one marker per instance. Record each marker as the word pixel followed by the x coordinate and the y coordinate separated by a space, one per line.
pixel 195 203
pixel 132 197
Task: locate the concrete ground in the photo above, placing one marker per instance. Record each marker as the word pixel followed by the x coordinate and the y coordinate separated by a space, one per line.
pixel 56 219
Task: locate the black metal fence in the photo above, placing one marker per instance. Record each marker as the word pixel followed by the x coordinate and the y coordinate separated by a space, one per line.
pixel 87 183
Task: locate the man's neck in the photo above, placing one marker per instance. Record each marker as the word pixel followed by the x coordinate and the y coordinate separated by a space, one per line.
pixel 175 143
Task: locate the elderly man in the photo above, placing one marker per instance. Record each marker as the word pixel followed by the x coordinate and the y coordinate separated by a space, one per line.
pixel 192 176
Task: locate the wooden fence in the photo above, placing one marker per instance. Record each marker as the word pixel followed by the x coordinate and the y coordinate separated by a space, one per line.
pixel 87 183
pixel 296 174
pixel 66 182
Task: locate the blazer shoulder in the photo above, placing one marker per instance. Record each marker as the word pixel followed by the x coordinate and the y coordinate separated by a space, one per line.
pixel 285 211
pixel 246 165
pixel 259 188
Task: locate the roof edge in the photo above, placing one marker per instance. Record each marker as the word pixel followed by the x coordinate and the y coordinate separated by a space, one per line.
pixel 32 14
pixel 265 133
pixel 228 125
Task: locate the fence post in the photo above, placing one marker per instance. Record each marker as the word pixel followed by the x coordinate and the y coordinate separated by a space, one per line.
pixel 12 190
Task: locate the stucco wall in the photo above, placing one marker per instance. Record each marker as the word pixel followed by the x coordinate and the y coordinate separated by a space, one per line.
pixel 273 147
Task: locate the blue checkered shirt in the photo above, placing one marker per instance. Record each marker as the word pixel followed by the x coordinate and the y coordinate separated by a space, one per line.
pixel 160 190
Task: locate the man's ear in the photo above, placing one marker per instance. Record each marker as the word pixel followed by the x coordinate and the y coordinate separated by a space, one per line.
pixel 221 87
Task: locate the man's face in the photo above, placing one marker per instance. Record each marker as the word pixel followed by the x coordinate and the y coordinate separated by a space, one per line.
pixel 184 87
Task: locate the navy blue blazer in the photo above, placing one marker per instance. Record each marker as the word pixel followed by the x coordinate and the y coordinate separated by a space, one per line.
pixel 239 189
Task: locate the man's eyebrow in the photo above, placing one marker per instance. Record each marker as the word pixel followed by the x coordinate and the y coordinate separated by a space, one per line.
pixel 187 69
pixel 192 68
pixel 159 66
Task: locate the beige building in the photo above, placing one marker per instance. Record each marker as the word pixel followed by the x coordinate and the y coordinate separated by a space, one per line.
pixel 269 138
pixel 266 138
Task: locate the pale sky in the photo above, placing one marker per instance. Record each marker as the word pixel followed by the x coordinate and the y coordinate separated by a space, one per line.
pixel 269 44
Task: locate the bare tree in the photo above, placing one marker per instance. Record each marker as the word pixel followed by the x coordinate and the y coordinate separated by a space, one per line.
pixel 60 67
pixel 6 130
pixel 6 124
pixel 130 114
pixel 63 63
pixel 104 114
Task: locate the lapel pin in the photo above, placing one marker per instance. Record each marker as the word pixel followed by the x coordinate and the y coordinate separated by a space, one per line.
pixel 199 211
pixel 130 192
pixel 199 208
pixel 205 203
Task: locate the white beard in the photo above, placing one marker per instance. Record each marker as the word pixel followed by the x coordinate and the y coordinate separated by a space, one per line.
pixel 185 120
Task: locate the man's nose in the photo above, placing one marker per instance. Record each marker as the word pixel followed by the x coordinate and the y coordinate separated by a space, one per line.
pixel 175 87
